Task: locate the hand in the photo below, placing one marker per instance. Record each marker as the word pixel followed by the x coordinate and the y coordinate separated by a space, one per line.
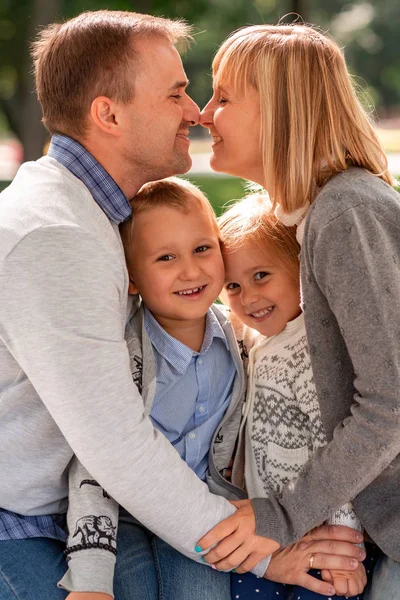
pixel 88 596
pixel 347 583
pixel 332 547
pixel 237 542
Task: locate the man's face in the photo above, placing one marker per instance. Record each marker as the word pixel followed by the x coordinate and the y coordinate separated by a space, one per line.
pixel 155 125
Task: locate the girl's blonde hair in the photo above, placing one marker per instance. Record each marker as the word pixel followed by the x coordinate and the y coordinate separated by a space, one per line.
pixel 312 123
pixel 253 220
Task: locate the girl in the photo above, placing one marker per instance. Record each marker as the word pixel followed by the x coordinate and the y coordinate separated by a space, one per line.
pixel 281 424
pixel 285 115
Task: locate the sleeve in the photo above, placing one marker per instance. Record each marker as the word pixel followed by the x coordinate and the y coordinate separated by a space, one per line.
pixel 92 520
pixel 355 264
pixel 60 316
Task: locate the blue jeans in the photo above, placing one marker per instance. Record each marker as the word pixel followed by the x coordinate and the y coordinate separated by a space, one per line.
pixel 385 582
pixel 147 569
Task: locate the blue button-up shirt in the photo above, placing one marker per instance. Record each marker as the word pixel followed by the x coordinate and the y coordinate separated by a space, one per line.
pixel 193 389
pixel 113 201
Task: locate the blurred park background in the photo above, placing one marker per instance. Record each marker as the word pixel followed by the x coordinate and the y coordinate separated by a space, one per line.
pixel 367 30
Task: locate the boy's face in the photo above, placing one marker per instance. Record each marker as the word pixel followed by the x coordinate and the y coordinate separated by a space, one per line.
pixel 176 263
pixel 259 290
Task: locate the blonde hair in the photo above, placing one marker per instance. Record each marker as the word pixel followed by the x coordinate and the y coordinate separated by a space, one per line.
pixel 312 123
pixel 172 192
pixel 93 55
pixel 253 220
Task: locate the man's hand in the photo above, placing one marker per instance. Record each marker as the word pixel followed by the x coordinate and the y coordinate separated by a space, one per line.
pixel 347 583
pixel 88 596
pixel 331 547
pixel 237 542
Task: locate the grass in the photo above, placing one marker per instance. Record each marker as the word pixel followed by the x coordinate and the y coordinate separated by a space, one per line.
pixel 219 190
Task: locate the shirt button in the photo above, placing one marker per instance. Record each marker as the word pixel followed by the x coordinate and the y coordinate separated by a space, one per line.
pixel 192 435
pixel 202 409
pixel 200 361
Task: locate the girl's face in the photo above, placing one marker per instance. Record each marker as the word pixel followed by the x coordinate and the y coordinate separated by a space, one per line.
pixel 234 123
pixel 259 290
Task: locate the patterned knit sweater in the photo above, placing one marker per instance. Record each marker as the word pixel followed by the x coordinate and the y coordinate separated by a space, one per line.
pixel 282 424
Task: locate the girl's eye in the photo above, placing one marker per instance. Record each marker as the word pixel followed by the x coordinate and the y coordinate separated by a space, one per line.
pixel 165 257
pixel 232 286
pixel 260 275
pixel 201 249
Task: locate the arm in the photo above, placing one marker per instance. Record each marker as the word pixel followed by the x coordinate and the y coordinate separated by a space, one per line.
pixel 62 315
pixel 92 520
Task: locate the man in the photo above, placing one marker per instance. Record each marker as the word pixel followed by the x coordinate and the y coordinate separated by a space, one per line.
pixel 113 94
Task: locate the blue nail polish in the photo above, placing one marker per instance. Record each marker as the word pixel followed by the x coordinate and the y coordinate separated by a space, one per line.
pixel 199 549
pixel 233 571
pixel 203 559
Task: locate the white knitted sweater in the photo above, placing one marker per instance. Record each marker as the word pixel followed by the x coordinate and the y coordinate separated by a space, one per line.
pixel 282 424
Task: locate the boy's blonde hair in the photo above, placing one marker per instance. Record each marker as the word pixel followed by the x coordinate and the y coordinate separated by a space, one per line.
pixel 312 123
pixel 253 220
pixel 172 192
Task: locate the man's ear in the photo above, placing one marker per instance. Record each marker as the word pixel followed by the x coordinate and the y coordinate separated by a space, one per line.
pixel 104 114
pixel 132 289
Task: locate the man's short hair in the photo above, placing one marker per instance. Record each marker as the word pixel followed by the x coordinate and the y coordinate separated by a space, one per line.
pixel 92 55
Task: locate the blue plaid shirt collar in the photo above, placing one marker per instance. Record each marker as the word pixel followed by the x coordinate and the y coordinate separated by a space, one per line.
pixel 173 351
pixel 85 167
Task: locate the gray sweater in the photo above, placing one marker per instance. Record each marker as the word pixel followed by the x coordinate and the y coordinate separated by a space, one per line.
pixel 65 379
pixel 350 274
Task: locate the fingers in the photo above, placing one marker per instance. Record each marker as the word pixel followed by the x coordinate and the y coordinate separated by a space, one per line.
pixel 334 562
pixel 334 548
pixel 218 533
pixel 315 585
pixel 335 532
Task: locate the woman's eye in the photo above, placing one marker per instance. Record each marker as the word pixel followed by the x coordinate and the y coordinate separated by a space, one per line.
pixel 201 249
pixel 165 257
pixel 221 100
pixel 261 275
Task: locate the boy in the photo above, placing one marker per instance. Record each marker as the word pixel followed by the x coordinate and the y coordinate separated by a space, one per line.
pixel 186 365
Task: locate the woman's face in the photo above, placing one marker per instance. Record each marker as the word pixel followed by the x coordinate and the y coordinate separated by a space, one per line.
pixel 234 123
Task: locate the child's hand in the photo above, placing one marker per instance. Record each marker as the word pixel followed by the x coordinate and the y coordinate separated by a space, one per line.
pixel 88 596
pixel 347 583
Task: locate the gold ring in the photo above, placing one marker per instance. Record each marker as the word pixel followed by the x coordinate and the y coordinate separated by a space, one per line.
pixel 311 561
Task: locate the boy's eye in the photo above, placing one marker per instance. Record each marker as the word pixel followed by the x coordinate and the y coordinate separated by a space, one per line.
pixel 261 275
pixel 165 257
pixel 232 286
pixel 201 249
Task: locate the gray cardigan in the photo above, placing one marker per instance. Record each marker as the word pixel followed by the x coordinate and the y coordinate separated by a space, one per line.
pixel 350 276
pixel 93 514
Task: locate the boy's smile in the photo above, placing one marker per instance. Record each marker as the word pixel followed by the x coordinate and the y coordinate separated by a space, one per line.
pixel 176 263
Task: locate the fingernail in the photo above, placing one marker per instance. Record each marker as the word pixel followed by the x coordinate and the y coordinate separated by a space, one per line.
pixel 213 567
pixel 359 537
pixel 362 554
pixel 332 591
pixel 199 549
pixel 203 559
pixel 233 571
pixel 353 563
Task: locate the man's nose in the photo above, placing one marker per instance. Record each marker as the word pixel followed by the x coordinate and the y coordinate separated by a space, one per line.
pixel 191 113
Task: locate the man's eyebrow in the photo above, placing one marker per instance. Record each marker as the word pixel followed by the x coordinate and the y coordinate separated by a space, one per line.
pixel 179 84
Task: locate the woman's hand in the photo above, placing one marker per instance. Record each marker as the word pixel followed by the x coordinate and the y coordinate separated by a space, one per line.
pixel 326 547
pixel 237 542
pixel 88 596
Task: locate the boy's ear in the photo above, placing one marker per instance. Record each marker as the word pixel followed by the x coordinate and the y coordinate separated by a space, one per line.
pixel 132 289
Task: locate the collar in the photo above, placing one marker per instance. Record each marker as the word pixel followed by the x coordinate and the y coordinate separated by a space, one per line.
pixel 108 195
pixel 172 350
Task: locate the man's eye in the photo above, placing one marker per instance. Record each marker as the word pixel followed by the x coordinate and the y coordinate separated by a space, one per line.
pixel 261 275
pixel 165 257
pixel 201 249
pixel 176 96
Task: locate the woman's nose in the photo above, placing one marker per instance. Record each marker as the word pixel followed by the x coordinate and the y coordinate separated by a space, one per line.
pixel 207 115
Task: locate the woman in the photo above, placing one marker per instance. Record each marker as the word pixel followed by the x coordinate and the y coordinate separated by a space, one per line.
pixel 284 114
